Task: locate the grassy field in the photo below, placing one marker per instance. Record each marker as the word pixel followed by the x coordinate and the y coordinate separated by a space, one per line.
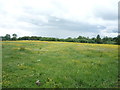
pixel 59 65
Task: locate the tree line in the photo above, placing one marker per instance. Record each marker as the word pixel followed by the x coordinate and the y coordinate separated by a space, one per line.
pixel 81 39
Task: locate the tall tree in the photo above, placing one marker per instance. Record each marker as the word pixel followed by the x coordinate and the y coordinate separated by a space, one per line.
pixel 14 36
pixel 80 37
pixel 98 39
pixel 7 37
pixel 118 39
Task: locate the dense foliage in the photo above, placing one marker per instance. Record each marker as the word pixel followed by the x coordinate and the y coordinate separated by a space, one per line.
pixel 81 39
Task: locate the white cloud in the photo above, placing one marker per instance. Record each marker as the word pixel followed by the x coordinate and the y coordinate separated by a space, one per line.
pixel 33 17
pixel 19 32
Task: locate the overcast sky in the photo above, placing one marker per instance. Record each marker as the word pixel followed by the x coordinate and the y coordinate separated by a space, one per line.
pixel 59 18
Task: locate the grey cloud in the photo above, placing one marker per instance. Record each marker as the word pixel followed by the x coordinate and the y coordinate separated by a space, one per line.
pixel 115 31
pixel 76 26
pixel 55 26
pixel 62 24
pixel 57 23
pixel 106 14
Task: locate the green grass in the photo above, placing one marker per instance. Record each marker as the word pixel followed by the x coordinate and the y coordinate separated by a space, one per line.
pixel 59 65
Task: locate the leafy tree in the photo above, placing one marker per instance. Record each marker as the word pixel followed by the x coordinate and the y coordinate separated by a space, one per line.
pixel 7 37
pixel 117 39
pixel 69 39
pixel 98 39
pixel 14 36
pixel 80 37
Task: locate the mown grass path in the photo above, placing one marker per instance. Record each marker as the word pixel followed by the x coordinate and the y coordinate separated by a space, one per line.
pixel 59 65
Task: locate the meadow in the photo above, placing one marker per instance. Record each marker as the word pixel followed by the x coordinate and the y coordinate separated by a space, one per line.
pixel 59 65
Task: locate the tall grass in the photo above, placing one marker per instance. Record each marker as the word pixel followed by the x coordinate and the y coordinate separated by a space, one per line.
pixel 59 65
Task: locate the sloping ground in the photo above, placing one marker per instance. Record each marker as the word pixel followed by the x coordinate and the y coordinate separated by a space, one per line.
pixel 59 65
